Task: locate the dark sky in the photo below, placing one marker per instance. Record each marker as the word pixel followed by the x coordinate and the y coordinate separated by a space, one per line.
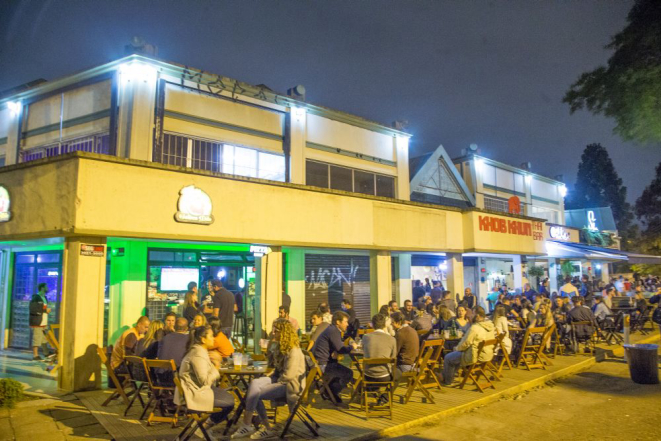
pixel 486 72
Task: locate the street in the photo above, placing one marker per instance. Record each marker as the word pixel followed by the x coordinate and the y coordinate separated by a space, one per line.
pixel 600 403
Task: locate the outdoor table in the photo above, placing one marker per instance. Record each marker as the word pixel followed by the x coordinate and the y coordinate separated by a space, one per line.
pixel 355 355
pixel 242 375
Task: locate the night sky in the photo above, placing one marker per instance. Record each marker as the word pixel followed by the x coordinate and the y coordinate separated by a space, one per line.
pixel 486 72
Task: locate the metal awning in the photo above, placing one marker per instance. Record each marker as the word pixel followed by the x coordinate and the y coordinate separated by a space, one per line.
pixel 566 250
pixel 645 259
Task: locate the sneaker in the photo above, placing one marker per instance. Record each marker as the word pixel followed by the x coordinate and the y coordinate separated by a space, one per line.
pixel 37 358
pixel 243 431
pixel 265 433
pixel 199 434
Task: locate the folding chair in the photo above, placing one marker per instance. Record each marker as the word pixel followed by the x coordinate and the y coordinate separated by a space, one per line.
pixel 505 357
pixel 316 378
pixel 434 346
pixel 492 367
pixel 638 323
pixel 610 327
pixel 196 419
pixel 583 332
pixel 299 411
pixel 378 388
pixel 238 347
pixel 478 369
pixel 529 355
pixel 557 344
pixel 160 378
pixel 137 377
pixel 414 378
pixel 121 382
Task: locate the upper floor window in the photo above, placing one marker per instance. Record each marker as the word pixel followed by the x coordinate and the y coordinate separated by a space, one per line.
pixel 497 204
pixel 219 157
pixel 324 175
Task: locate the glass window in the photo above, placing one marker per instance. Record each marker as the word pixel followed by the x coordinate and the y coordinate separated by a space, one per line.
pixel 385 186
pixel 228 159
pixel 363 182
pixel 161 255
pixel 48 258
pixel 271 167
pixel 2 161
pixel 245 162
pixel 316 174
pixel 341 178
pixel 206 155
pixel 25 258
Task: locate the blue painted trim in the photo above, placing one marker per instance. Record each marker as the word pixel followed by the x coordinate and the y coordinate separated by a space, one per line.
pixel 338 151
pixel 222 125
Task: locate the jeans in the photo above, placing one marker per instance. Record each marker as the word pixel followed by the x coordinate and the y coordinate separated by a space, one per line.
pixel 224 400
pixel 263 389
pixel 337 376
pixel 451 363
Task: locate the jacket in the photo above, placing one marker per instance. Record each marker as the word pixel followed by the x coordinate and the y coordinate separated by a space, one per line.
pixel 293 375
pixel 379 344
pixel 197 375
pixel 37 310
pixel 469 344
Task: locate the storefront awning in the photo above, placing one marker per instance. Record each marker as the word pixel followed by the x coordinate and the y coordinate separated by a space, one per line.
pixel 565 250
pixel 644 259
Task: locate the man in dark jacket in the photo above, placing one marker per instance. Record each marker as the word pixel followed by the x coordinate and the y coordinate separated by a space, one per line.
pixel 325 349
pixel 173 345
pixel 354 323
pixel 418 291
pixel 39 311
pixel 436 293
pixel 223 306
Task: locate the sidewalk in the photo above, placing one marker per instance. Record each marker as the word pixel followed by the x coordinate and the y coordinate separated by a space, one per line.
pixel 351 424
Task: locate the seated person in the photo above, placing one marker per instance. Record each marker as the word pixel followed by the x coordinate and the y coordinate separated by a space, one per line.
pixel 444 318
pixel 385 311
pixel 461 320
pixel 409 312
pixel 448 301
pixel 580 313
pixel 168 322
pixel 127 343
pixel 147 347
pixel 286 382
pixel 173 346
pixel 222 348
pixel 527 312
pixel 408 343
pixel 502 326
pixel 318 326
pixel 199 320
pixel 544 317
pixel 354 323
pixel 191 305
pixel 600 310
pixel 326 315
pixel 466 352
pixel 423 321
pixel 379 344
pixel 326 348
pixel 198 378
pixel 283 313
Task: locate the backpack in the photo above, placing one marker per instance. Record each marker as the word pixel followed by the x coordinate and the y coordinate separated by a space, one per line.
pixel 656 317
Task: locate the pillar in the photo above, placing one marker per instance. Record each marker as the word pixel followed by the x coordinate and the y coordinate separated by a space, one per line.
pixel 403 181
pixel 13 136
pixel 553 275
pixel 605 272
pixel 297 131
pixel 517 266
pixel 296 285
pixel 380 280
pixel 81 318
pixel 455 274
pixel 403 280
pixel 269 275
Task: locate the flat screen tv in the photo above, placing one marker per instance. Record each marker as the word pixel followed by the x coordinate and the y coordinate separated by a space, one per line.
pixel 177 279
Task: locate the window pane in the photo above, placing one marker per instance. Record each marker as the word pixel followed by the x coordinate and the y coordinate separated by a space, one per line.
pixel 364 182
pixel 341 178
pixel 228 159
pixel 271 167
pixel 385 186
pixel 316 174
pixel 245 162
pixel 25 258
pixel 48 258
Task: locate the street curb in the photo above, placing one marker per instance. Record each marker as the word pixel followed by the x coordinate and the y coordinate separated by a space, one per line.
pixel 405 428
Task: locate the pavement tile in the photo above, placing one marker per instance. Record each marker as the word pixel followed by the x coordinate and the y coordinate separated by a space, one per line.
pixel 22 419
pixel 41 431
pixel 6 431
pixel 90 430
pixel 78 421
pixel 4 413
pixel 67 414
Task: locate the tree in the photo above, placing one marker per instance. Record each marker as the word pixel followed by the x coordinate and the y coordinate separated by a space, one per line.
pixel 629 88
pixel 648 211
pixel 598 185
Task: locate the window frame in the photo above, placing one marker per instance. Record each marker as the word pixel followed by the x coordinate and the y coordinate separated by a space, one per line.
pixel 353 177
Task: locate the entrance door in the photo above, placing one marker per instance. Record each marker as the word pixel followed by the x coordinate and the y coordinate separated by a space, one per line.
pixel 31 269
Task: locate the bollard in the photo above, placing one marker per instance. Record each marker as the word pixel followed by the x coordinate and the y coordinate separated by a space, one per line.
pixel 625 327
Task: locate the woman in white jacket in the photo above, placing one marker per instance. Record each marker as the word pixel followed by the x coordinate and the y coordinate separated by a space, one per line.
pixel 199 376
pixel 286 382
pixel 500 322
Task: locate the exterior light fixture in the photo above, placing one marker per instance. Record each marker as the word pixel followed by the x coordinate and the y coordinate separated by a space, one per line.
pixel 479 165
pixel 134 71
pixel 221 274
pixel 598 266
pixel 242 283
pixel 528 179
pixel 442 266
pixel 299 113
pixel 563 190
pixel 14 107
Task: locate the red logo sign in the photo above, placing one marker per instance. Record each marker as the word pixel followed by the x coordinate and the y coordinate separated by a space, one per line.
pixel 514 205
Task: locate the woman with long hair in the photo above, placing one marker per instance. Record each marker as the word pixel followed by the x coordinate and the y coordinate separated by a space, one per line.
pixel 191 306
pixel 198 377
pixel 147 347
pixel 199 320
pixel 222 346
pixel 461 320
pixel 500 322
pixel 385 311
pixel 287 381
pixel 444 317
pixel 544 317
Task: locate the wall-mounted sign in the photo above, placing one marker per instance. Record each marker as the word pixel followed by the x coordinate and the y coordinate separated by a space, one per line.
pixel 194 206
pixel 592 221
pixel 559 233
pixel 514 205
pixel 497 225
pixel 5 202
pixel 92 250
pixel 259 250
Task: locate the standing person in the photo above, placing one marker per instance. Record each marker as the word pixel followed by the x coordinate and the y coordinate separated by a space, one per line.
pixel 198 377
pixel 448 301
pixel 286 382
pixel 191 306
pixel 427 286
pixel 492 298
pixel 469 298
pixel 327 345
pixel 436 293
pixel 418 291
pixel 408 343
pixel 286 299
pixel 208 300
pixel 223 306
pixel 568 289
pixel 354 324
pixel 38 321
pixel 127 344
pixel 379 344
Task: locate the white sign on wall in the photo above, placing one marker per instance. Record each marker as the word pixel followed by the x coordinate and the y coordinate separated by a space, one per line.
pixel 5 202
pixel 592 221
pixel 194 206
pixel 559 233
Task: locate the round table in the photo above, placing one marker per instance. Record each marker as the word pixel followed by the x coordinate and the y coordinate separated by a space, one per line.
pixel 242 375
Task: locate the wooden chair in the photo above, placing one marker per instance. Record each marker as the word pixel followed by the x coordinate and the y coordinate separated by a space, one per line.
pixel 160 378
pixel 478 369
pixel 196 419
pixel 316 377
pixel 496 370
pixel 639 321
pixel 137 377
pixel 529 355
pixel 414 378
pixel 121 382
pixel 310 345
pixel 558 346
pixel 298 410
pixel 377 388
pixel 505 357
pixel 435 346
pixel 238 347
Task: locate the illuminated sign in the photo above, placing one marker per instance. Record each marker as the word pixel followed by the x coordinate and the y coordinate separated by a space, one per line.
pixel 194 206
pixel 559 233
pixel 514 205
pixel 592 221
pixel 259 250
pixel 5 202
pixel 92 250
pixel 517 227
